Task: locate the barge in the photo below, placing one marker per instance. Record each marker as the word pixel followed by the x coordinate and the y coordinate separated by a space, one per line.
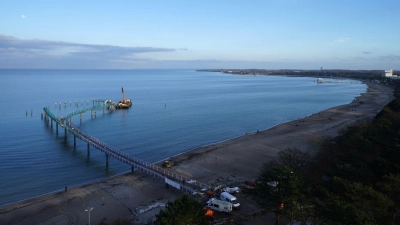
pixel 125 103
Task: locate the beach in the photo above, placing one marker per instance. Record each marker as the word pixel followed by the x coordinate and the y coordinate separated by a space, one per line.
pixel 138 197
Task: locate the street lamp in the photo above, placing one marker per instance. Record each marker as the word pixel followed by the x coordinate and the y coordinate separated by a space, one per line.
pixel 88 210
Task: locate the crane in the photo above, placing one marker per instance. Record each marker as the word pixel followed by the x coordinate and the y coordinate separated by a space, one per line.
pixel 124 104
pixel 123 96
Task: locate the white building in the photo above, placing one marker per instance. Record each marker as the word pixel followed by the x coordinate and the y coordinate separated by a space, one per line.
pixel 387 73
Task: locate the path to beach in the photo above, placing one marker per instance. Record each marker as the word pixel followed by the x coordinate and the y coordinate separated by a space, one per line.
pixel 222 163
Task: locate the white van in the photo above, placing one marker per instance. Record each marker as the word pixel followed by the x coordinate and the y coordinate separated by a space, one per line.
pixel 225 196
pixel 220 206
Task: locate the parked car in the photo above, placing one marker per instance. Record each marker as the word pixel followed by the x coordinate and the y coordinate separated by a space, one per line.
pixel 225 196
pixel 219 205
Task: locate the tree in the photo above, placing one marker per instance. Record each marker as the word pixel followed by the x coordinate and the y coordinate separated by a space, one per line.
pixel 346 202
pixel 391 187
pixel 293 157
pixel 283 187
pixel 184 210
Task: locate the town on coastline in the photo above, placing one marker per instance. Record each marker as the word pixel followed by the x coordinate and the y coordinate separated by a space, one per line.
pixel 336 73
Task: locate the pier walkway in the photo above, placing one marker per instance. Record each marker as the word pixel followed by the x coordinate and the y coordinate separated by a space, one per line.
pixel 175 180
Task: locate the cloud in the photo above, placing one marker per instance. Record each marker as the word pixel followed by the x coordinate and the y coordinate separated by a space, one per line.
pixel 389 57
pixel 23 16
pixel 366 53
pixel 19 48
pixel 341 40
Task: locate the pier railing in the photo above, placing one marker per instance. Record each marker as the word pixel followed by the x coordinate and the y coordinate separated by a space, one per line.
pixel 94 107
pixel 134 162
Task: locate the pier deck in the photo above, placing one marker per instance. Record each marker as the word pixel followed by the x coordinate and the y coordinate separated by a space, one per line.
pixel 136 164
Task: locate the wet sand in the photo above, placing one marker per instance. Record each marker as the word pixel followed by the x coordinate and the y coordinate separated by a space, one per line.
pixel 131 196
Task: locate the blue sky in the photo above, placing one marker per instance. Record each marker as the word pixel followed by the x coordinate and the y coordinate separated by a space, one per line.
pixel 269 34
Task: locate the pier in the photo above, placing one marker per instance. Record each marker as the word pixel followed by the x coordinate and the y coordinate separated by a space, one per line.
pixel 170 178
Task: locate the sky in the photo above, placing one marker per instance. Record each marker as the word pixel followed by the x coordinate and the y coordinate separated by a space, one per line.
pixel 206 34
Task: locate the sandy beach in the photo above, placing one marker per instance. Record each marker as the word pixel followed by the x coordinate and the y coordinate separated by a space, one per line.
pixel 131 196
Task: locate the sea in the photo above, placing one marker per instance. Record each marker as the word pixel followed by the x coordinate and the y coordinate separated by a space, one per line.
pixel 173 111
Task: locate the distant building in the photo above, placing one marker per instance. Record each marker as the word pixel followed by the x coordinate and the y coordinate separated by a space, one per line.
pixel 387 73
pixel 322 68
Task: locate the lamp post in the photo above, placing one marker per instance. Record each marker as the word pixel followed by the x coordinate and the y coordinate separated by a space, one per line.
pixel 88 210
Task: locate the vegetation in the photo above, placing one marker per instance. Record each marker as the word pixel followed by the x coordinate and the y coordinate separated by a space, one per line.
pixel 353 179
pixel 184 210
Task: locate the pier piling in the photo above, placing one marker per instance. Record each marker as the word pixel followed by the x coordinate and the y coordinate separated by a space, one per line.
pixel 136 164
pixel 106 160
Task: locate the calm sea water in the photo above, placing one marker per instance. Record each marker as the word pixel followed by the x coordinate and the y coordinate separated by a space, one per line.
pixel 173 111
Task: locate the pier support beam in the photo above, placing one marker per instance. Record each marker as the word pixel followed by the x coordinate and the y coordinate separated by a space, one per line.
pixel 65 134
pixel 74 141
pixel 88 149
pixel 133 169
pixel 106 160
pixel 57 128
pixel 51 122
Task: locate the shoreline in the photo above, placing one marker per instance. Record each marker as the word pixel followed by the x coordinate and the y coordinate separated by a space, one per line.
pixel 223 162
pixel 159 162
pixel 332 123
pixel 257 131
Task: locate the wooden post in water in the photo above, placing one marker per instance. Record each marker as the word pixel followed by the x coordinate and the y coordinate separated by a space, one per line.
pixel 88 149
pixel 74 141
pixel 133 169
pixel 65 134
pixel 56 128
